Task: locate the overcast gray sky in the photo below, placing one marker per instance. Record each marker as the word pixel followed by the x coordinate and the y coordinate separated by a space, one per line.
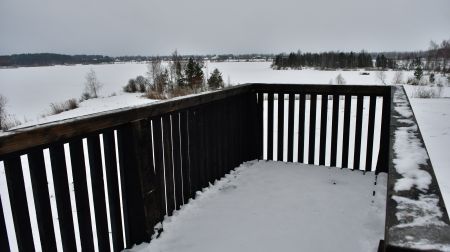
pixel 157 27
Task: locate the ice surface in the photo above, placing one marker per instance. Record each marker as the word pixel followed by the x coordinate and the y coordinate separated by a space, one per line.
pixel 276 206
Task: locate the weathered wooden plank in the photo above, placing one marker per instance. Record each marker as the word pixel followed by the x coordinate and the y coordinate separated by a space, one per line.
pixel 4 243
pixel 301 128
pixel 41 197
pixel 18 201
pixel 290 150
pixel 168 165
pixel 346 134
pixel 201 152
pixel 370 132
pixel 323 129
pixel 280 126
pixel 259 123
pixel 383 154
pixel 62 196
pixel 159 162
pixel 312 129
pixel 109 147
pixel 133 204
pixel 81 194
pixel 98 192
pixel 177 169
pixel 405 217
pixel 358 130
pixel 185 159
pixel 334 130
pixel 194 146
pixel 270 126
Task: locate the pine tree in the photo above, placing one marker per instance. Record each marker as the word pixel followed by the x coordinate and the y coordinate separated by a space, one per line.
pixel 194 74
pixel 215 81
pixel 418 73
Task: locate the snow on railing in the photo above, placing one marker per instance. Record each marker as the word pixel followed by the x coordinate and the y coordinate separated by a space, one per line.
pixel 416 215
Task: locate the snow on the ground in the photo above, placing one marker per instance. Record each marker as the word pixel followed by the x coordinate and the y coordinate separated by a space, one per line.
pixel 261 72
pixel 93 106
pixel 275 206
pixel 433 117
pixel 30 90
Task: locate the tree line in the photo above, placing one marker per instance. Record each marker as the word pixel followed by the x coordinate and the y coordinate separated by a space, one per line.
pixel 324 60
pixel 50 59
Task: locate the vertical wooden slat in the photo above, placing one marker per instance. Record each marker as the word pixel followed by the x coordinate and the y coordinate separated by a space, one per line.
pixel 4 243
pixel 159 161
pixel 150 190
pixel 235 124
pixel 334 130
pixel 203 168
pixel 280 126
pixel 62 196
pixel 133 204
pixel 383 154
pixel 323 129
pixel 194 146
pixel 113 189
pixel 358 128
pixel 184 131
pixel 270 126
pixel 346 134
pixel 39 183
pixel 220 134
pixel 81 194
pixel 301 128
pixel 370 132
pixel 312 129
pixel 259 123
pixel 290 157
pixel 239 130
pixel 177 160
pixel 168 165
pixel 228 128
pixel 98 192
pixel 18 201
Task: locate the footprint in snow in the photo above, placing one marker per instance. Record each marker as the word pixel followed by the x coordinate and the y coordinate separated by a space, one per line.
pixel 227 188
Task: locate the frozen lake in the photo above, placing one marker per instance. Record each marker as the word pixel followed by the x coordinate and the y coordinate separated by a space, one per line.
pixel 30 90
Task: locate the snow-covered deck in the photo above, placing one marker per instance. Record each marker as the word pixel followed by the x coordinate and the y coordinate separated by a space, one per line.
pixel 276 206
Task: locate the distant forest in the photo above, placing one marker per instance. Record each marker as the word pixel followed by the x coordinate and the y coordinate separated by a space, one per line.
pixel 436 58
pixel 50 59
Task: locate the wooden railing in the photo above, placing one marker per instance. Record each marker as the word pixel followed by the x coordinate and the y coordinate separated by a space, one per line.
pixel 140 164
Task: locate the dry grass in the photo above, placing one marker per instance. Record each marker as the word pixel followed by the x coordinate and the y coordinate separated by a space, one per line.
pixel 56 108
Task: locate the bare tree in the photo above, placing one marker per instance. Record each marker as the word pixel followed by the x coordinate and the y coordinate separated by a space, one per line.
pixel 398 78
pixel 154 70
pixel 340 80
pixel 381 76
pixel 92 85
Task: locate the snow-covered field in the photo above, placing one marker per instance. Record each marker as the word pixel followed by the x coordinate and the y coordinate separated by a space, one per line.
pixel 30 91
pixel 258 207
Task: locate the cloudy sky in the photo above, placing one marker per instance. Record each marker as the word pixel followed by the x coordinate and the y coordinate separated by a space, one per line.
pixel 157 27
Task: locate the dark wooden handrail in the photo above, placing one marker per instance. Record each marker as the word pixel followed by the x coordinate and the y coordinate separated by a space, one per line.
pixel 24 138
